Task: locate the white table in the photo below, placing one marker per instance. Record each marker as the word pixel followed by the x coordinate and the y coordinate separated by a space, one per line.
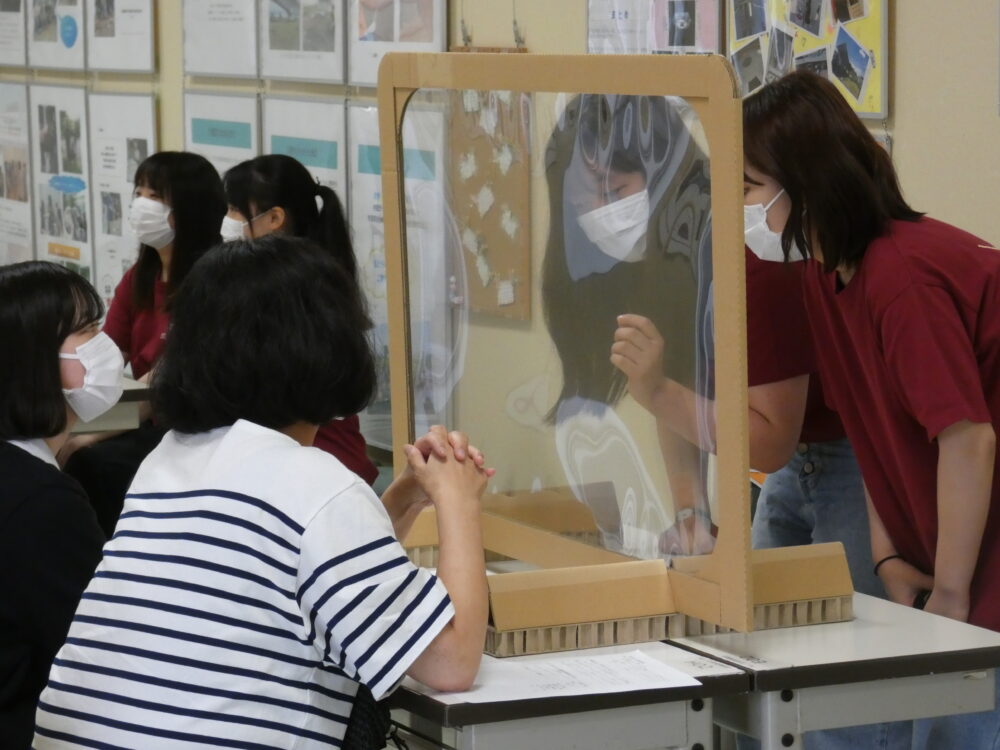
pixel 639 720
pixel 890 663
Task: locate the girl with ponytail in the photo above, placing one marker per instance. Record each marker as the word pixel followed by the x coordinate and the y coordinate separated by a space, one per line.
pixel 276 193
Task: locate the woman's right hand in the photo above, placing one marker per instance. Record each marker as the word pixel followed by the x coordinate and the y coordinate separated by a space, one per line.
pixel 638 352
pixel 447 479
pixel 902 581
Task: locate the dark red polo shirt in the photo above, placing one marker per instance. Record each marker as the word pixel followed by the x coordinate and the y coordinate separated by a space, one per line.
pixel 138 333
pixel 779 342
pixel 909 347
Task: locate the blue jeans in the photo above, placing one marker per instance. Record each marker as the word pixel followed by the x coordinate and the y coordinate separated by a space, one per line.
pixel 818 496
pixel 979 731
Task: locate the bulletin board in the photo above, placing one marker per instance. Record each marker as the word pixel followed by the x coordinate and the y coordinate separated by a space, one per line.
pixel 845 41
pixel 493 206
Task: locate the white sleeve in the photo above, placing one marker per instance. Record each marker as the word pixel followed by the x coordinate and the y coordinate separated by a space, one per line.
pixel 369 611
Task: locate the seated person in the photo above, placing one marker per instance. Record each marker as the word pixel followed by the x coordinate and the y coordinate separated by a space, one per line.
pixel 254 584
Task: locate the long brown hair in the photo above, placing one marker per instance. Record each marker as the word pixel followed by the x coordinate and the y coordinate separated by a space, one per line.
pixel 843 187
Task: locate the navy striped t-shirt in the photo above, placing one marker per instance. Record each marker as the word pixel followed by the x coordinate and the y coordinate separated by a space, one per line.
pixel 250 585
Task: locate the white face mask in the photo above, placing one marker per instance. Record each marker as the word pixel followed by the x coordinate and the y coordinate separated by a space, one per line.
pixel 761 239
pixel 619 228
pixel 232 229
pixel 102 380
pixel 150 221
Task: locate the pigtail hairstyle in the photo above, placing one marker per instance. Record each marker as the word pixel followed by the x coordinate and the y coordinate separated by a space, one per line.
pixel 256 186
pixel 842 184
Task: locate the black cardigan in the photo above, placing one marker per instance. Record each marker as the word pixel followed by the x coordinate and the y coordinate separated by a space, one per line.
pixel 50 543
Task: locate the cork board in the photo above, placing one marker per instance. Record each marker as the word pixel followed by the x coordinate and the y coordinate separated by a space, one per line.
pixel 489 176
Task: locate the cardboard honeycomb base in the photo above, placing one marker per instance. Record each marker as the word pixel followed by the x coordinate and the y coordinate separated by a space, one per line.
pixel 659 628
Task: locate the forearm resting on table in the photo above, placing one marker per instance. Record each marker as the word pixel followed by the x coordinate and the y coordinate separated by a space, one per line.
pixel 451 661
pixel 966 454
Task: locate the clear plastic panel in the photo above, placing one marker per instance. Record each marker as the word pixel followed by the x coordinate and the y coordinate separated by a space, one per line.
pixel 549 217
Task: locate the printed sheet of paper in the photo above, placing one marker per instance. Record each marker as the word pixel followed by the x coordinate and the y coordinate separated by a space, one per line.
pixel 302 40
pixel 120 35
pixel 221 128
pixel 61 166
pixel 122 135
pixel 527 679
pixel 16 238
pixel 12 43
pixel 220 38
pixel 311 131
pixel 55 34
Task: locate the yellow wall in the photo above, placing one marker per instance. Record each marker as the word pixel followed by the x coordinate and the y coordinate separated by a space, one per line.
pixel 946 113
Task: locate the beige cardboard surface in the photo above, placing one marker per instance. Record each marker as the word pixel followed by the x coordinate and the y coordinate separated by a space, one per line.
pixel 540 598
pixel 718 587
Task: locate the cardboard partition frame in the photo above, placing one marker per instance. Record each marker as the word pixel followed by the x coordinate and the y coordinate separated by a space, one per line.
pixel 719 587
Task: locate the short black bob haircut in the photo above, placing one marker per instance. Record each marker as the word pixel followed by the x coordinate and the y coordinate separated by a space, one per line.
pixel 270 330
pixel 41 303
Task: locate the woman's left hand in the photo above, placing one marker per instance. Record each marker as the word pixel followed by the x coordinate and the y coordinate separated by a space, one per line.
pixel 440 442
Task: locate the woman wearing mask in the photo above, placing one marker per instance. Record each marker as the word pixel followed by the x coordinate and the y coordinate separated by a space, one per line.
pixel 275 193
pixel 176 213
pixel 57 368
pixel 904 310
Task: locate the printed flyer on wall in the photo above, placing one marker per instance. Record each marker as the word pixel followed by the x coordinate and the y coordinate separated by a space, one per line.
pixel 60 160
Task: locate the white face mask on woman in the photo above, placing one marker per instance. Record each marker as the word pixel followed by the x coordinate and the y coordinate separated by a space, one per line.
pixel 619 228
pixel 761 239
pixel 232 229
pixel 150 220
pixel 102 379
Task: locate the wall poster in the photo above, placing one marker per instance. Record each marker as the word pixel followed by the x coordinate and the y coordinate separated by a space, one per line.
pixel 120 35
pixel 122 135
pixel 61 164
pixel 16 235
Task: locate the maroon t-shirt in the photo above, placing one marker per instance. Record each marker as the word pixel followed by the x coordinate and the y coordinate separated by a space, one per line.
pixel 138 333
pixel 909 347
pixel 343 439
pixel 779 344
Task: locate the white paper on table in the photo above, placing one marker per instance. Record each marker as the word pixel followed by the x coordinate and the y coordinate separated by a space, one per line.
pixel 527 679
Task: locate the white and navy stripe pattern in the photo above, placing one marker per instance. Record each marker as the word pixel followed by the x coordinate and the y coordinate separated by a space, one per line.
pixel 249 586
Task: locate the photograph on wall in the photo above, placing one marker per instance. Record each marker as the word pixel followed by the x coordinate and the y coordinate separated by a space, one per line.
pixel 423 169
pixel 850 63
pixel 220 38
pixel 221 127
pixel 807 14
pixel 61 166
pixel 55 34
pixel 845 11
pixel 120 35
pixel 122 134
pixel 815 61
pixel 749 18
pixel 302 40
pixel 652 26
pixel 375 27
pixel 311 131
pixel 845 41
pixel 16 237
pixel 779 54
pixel 12 44
pixel 748 61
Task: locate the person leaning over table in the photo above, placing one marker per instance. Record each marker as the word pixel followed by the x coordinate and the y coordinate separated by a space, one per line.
pixel 905 315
